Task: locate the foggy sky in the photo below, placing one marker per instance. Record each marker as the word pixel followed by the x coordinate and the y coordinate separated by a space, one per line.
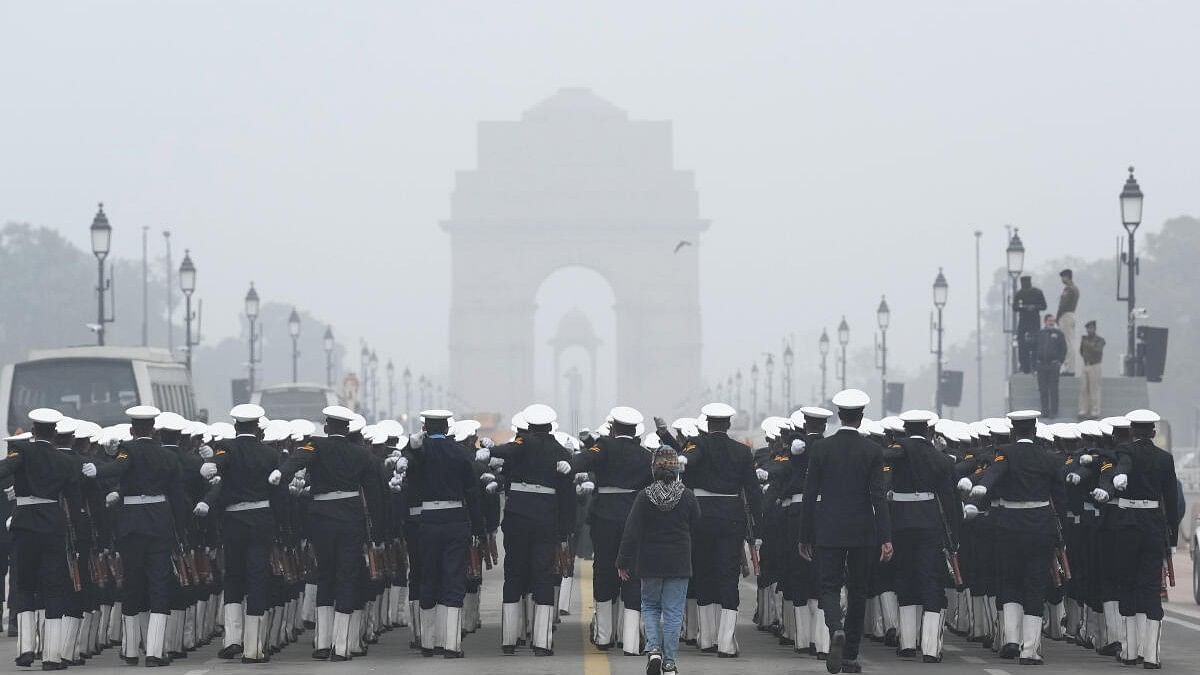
pixel 841 150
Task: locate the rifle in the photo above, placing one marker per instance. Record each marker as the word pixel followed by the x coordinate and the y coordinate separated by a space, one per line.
pixel 491 547
pixel 474 560
pixel 1061 566
pixel 564 561
pixel 371 553
pixel 72 554
pixel 949 546
pixel 1168 563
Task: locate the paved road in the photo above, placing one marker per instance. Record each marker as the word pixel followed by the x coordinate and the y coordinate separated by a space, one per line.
pixel 761 654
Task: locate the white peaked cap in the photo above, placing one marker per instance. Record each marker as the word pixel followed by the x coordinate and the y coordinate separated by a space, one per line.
pixel 540 414
pixel 142 412
pixel 464 429
pixel 247 412
pixel 718 411
pixel 851 399
pixel 626 415
pixel 338 412
pixel 1142 416
pixel 45 416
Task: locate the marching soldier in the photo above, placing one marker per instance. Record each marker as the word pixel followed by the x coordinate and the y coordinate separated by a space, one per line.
pixel 845 524
pixel 43 480
pixel 801 587
pixel 720 472
pixel 539 516
pixel 621 471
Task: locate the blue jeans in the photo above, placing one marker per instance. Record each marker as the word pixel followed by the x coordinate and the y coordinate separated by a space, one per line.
pixel 662 601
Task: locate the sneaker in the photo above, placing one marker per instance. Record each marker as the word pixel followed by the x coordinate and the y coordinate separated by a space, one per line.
pixel 669 667
pixel 654 663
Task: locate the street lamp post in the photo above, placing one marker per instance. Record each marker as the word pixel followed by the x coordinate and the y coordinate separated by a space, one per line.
pixel 391 380
pixel 101 233
pixel 754 393
pixel 737 399
pixel 823 346
pixel 770 367
pixel 374 370
pixel 1015 258
pixel 407 396
pixel 843 340
pixel 328 344
pixel 884 315
pixel 940 291
pixel 251 317
pixel 294 331
pixel 1131 218
pixel 187 283
pixel 789 358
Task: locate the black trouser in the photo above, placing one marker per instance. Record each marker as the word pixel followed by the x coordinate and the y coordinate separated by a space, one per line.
pixel 412 545
pixel 1140 561
pixel 920 568
pixel 40 568
pixel 149 578
pixel 606 585
pixel 1047 374
pixel 983 556
pixel 247 566
pixel 1026 348
pixel 717 544
pixel 1024 562
pixel 800 586
pixel 845 566
pixel 339 548
pixel 528 559
pixel 444 563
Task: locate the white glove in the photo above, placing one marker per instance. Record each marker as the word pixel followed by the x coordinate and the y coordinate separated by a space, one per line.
pixel 761 474
pixel 205 452
pixel 89 470
pixel 979 491
pixel 487 443
pixel 1073 478
pixel 798 447
pixel 487 478
pixel 295 487
pixel 11 493
pixel 275 477
pixel 588 487
pixel 1174 550
pixel 1086 459
pixel 1100 495
pixel 965 484
pixel 581 476
pixel 682 462
pixel 396 484
pixel 496 462
pixel 112 498
pixel 1120 481
pixel 390 460
pixel 208 469
pixel 970 511
pixel 416 440
pixel 215 480
pixel 482 455
pixel 563 467
pixel 8 523
pixel 201 510
pixel 401 464
pixel 492 487
pixel 758 544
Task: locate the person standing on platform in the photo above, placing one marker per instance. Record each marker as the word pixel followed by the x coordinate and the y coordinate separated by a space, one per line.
pixel 1028 303
pixel 1091 350
pixel 1067 302
pixel 1051 350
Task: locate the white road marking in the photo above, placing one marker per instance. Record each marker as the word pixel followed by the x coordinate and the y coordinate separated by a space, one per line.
pixel 1181 622
pixel 196 672
pixel 995 671
pixel 975 660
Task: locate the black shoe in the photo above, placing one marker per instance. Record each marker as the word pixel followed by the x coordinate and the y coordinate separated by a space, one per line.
pixel 654 664
pixel 1010 651
pixel 1151 666
pixel 851 666
pixel 508 650
pixel 321 654
pixel 925 658
pixel 1030 662
pixel 538 651
pixel 906 653
pixel 230 652
pixel 53 665
pixel 177 655
pixel 606 647
pixel 890 639
pixel 723 655
pixel 24 660
pixel 986 642
pixel 337 658
pixel 427 653
pixel 130 660
pixel 709 650
pixel 309 625
pixel 74 662
pixel 821 656
pixel 446 654
pixel 250 660
pixel 837 641
pixel 155 662
pixel 786 642
pixel 690 643
pixel 1110 649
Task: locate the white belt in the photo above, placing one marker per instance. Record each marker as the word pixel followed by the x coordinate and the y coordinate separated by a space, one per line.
pixel 30 501
pixel 1073 517
pixel 912 496
pixel 531 487
pixel 1022 505
pixel 248 506
pixel 1137 503
pixel 143 499
pixel 997 502
pixel 701 492
pixel 1088 506
pixel 797 498
pixel 438 506
pixel 337 494
pixel 786 501
pixel 414 510
pixel 613 491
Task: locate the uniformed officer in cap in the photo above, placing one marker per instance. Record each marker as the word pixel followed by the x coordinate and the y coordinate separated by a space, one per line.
pixel 243 499
pixel 449 519
pixel 539 517
pixel 845 524
pixel 720 472
pixel 621 470
pixel 1149 492
pixel 1025 482
pixel 922 488
pixel 345 492
pixel 42 477
pixel 801 587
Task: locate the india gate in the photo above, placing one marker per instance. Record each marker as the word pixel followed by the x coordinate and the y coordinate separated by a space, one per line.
pixel 575 183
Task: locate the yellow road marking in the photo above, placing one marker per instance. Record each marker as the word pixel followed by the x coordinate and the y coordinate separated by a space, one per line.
pixel 595 662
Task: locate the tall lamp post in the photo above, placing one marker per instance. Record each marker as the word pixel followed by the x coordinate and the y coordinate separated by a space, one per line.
pixel 294 331
pixel 823 346
pixel 187 284
pixel 737 398
pixel 843 340
pixel 1131 218
pixel 789 358
pixel 101 243
pixel 424 405
pixel 407 377
pixel 1015 259
pixel 754 393
pixel 251 317
pixel 940 291
pixel 391 380
pixel 770 367
pixel 374 370
pixel 327 342
pixel 884 316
